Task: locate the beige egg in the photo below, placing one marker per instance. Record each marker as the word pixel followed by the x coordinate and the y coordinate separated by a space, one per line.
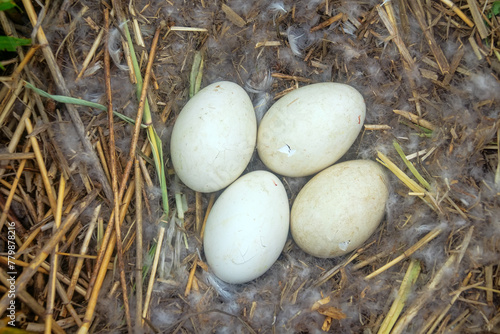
pixel 310 128
pixel 339 208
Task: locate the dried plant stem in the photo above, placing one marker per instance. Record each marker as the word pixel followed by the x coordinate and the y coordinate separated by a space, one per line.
pixel 414 187
pixel 41 166
pixel 191 277
pixel 451 265
pixel 439 56
pixel 31 302
pixel 404 291
pixel 95 287
pixel 91 53
pixel 114 177
pixel 67 302
pixel 102 156
pixel 415 119
pixel 28 272
pixel 138 247
pixel 444 311
pixel 140 112
pixel 478 19
pixel 8 102
pixel 430 288
pixel 419 244
pixel 388 19
pixel 328 22
pixel 8 202
pixel 457 11
pixel 54 264
pixel 61 84
pixel 18 133
pixel 83 251
pixel 154 267
pixel 209 207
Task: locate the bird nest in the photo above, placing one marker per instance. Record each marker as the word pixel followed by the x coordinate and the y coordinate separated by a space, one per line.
pixel 428 71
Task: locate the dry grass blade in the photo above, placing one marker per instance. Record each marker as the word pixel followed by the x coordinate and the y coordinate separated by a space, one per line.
pixel 419 244
pixel 152 276
pixel 73 113
pixel 403 293
pixel 83 251
pixel 428 72
pixel 41 166
pixel 94 289
pixel 8 202
pixel 31 302
pixel 54 263
pixel 478 19
pixel 430 288
pixel 414 187
pixel 457 11
pixel 233 16
pixel 439 56
pixel 28 273
pixel 139 246
pixel 415 119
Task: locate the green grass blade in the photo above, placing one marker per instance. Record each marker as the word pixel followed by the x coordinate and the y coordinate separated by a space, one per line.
pixel 73 100
pixel 147 119
pixel 128 119
pixel 410 166
pixel 66 99
pixel 157 151
pixel 195 75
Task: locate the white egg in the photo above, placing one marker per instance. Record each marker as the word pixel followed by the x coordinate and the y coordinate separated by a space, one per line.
pixel 310 128
pixel 340 208
pixel 247 227
pixel 214 137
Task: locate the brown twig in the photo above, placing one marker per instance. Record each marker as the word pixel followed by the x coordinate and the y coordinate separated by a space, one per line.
pixel 327 23
pixel 114 177
pixel 140 111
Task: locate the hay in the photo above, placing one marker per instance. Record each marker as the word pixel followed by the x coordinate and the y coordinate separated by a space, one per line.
pixel 428 71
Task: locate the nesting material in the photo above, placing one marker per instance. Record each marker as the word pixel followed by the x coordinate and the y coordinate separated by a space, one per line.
pixel 109 240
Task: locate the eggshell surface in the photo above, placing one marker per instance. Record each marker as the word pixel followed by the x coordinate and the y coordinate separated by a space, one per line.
pixel 247 227
pixel 310 128
pixel 214 137
pixel 339 208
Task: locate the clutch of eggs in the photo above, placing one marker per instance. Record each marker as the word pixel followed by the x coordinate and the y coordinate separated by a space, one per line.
pixel 303 133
